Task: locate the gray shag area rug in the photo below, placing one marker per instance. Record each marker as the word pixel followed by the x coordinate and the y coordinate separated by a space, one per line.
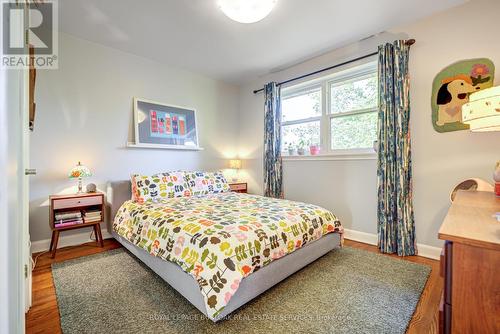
pixel 345 291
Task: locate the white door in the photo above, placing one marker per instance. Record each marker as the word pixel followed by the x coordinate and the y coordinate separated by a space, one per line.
pixel 24 177
pixel 14 204
pixel 25 141
pixel 14 249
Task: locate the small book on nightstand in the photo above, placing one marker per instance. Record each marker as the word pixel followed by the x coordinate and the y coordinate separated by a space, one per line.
pixel 92 216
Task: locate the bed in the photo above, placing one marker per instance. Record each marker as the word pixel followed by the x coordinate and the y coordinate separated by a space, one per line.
pixel 221 250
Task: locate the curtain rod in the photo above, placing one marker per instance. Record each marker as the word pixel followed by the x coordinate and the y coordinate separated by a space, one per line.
pixel 408 42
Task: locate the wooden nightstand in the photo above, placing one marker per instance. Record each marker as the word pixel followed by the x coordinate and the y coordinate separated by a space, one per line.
pixel 240 187
pixel 89 204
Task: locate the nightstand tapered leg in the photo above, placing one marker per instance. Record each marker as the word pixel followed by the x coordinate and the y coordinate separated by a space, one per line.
pixel 56 239
pixel 101 242
pixel 52 241
pixel 96 235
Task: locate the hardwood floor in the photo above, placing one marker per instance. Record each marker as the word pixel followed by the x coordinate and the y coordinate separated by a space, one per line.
pixel 425 318
pixel 43 316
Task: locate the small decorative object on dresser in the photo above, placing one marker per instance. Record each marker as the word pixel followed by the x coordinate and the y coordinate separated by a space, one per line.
pixel 496 177
pixel 78 172
pixel 473 184
pixel 67 212
pixel 239 187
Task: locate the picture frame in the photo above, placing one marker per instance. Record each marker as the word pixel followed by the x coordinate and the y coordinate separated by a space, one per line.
pixel 166 126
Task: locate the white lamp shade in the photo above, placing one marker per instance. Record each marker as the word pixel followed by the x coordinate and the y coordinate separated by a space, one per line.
pixel 235 164
pixel 482 112
pixel 246 11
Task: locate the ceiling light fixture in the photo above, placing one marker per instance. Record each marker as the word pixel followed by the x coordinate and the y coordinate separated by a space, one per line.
pixel 246 11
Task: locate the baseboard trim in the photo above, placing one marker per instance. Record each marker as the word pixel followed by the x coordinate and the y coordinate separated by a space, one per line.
pixel 427 251
pixel 430 252
pixel 367 238
pixel 66 240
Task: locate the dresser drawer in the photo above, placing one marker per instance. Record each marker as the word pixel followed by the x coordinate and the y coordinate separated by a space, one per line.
pixel 65 203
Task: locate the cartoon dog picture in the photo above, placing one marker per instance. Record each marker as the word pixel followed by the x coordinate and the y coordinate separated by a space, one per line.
pixel 452 87
pixel 454 93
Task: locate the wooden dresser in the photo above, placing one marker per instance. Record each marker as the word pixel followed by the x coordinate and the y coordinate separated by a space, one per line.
pixel 470 265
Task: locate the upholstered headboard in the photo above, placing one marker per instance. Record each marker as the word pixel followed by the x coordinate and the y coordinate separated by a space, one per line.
pixel 117 193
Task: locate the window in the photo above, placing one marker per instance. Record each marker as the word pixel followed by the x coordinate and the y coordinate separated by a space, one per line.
pixel 301 118
pixel 337 112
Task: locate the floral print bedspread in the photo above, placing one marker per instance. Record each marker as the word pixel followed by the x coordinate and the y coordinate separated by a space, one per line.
pixel 221 238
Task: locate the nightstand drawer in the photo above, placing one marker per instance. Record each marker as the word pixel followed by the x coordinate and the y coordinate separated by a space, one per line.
pixel 64 203
pixel 238 186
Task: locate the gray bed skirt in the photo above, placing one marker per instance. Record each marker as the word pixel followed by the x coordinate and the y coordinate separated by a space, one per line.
pixel 250 287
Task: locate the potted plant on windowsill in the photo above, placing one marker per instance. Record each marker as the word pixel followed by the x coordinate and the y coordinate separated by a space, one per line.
pixel 291 149
pixel 301 147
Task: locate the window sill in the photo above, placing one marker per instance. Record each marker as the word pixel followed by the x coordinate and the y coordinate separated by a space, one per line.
pixel 332 156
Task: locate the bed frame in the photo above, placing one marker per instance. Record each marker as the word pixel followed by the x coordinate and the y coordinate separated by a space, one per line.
pixel 250 287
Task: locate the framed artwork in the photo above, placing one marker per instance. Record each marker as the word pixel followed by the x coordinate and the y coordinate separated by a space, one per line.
pixel 159 125
pixel 451 89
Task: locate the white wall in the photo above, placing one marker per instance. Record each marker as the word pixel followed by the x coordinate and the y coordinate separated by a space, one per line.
pixel 440 161
pixel 84 113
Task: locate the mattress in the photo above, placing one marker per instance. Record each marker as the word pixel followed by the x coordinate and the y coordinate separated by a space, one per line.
pixel 224 240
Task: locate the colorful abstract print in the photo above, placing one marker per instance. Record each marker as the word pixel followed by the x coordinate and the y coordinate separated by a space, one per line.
pixel 221 238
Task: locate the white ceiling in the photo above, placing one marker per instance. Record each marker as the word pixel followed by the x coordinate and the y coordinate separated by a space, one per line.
pixel 196 35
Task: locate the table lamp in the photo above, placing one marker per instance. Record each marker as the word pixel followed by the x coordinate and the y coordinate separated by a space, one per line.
pixel 236 165
pixel 78 172
pixel 482 113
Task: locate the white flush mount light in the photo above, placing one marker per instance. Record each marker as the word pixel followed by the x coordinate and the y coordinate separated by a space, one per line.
pixel 246 11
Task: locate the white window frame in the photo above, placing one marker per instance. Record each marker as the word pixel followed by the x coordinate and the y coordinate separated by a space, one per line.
pixel 355 73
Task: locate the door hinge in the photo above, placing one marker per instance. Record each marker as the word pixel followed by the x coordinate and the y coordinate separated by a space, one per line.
pixel 25 271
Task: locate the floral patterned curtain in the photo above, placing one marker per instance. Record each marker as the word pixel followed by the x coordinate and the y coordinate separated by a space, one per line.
pixel 273 170
pixel 396 225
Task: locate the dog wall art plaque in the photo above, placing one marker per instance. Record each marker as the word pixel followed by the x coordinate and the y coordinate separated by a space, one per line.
pixel 451 89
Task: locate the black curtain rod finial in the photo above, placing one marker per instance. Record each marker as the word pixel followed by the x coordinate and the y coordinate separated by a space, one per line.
pixel 408 42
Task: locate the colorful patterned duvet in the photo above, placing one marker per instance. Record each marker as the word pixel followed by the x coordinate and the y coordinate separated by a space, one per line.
pixel 221 238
